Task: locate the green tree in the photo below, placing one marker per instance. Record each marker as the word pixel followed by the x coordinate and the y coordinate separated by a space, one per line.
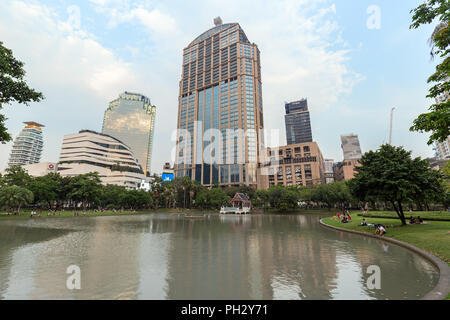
pixel 86 188
pixel 16 176
pixel 13 87
pixel 261 198
pixel 390 174
pixel 46 189
pixel 437 120
pixel 15 197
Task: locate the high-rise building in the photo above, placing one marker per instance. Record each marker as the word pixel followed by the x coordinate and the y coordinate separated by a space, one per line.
pixel 298 122
pixel 27 147
pixel 351 147
pixel 131 119
pixel 220 112
pixel 89 151
pixel 329 170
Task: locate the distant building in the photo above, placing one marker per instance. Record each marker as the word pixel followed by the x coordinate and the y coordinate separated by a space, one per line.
pixel 329 172
pixel 443 149
pixel 352 154
pixel 40 169
pixel 298 122
pixel 131 119
pixel 299 164
pixel 351 147
pixel 27 147
pixel 89 151
pixel 346 170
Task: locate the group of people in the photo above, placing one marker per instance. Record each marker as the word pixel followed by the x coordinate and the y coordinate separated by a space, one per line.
pixel 345 217
pixel 417 220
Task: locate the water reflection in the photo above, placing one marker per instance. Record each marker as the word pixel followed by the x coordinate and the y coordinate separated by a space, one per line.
pixel 168 256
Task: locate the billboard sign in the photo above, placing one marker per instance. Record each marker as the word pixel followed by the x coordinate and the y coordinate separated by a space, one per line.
pixel 167 177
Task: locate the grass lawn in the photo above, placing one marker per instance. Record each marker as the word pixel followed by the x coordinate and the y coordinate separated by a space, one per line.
pixel 427 215
pixel 433 237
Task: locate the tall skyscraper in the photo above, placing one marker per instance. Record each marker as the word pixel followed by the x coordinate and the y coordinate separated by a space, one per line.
pixel 298 122
pixel 27 147
pixel 351 147
pixel 220 110
pixel 131 119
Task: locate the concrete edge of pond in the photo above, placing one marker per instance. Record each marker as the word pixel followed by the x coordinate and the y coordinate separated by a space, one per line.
pixel 441 289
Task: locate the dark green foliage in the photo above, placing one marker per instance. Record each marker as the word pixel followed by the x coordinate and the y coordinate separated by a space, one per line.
pixel 13 87
pixel 391 175
pixel 437 120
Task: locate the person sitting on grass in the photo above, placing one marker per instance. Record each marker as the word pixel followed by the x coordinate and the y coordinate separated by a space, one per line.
pixel 381 230
pixel 344 219
pixel 363 223
pixel 419 220
pixel 412 220
pixel 338 215
pixel 349 217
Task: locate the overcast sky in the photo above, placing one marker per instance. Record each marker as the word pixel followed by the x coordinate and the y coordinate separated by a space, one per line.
pixel 352 66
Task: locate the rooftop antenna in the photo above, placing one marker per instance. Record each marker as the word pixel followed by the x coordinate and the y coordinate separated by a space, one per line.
pixel 218 21
pixel 390 128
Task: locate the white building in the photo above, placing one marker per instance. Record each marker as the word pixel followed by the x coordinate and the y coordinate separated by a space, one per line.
pixel 89 151
pixel 329 172
pixel 27 147
pixel 351 147
pixel 40 169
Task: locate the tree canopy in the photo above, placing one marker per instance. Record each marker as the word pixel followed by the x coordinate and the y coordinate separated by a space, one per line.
pixel 437 120
pixel 13 87
pixel 390 174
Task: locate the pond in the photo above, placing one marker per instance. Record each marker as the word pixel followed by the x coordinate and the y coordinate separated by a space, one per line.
pixel 169 256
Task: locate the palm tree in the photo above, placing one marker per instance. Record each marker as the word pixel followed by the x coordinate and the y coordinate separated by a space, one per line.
pixel 15 197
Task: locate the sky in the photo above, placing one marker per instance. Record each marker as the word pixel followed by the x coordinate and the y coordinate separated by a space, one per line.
pixel 352 59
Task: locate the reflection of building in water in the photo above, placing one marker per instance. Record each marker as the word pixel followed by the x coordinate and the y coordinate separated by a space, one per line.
pixel 107 252
pixel 232 261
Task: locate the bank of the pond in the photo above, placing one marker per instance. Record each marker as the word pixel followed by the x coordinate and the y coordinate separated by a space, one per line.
pixel 425 215
pixel 431 240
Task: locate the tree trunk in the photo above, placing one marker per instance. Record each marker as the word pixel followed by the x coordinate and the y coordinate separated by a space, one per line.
pixel 399 211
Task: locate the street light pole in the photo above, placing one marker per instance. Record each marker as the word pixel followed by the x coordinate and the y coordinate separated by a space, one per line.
pixel 390 127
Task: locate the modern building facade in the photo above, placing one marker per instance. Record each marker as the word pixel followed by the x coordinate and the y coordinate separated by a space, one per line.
pixel 298 122
pixel 27 147
pixel 89 151
pixel 131 119
pixel 299 164
pixel 351 147
pixel 329 171
pixel 220 112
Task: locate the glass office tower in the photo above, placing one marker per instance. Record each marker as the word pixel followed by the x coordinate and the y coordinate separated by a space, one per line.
pixel 131 119
pixel 298 122
pixel 220 112
pixel 27 147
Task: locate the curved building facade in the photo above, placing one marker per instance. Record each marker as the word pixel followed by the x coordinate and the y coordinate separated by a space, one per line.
pixel 27 147
pixel 131 119
pixel 220 112
pixel 89 151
